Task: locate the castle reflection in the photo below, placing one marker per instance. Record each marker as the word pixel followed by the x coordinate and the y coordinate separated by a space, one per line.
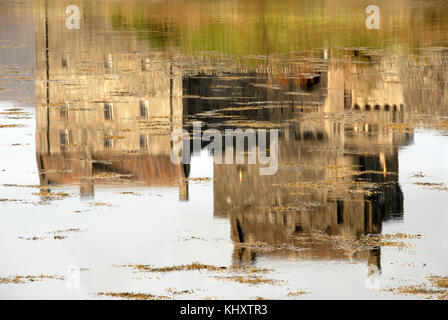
pixel 106 104
pixel 338 160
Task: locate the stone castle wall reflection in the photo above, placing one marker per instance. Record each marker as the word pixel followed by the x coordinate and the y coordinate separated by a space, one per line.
pixel 104 110
pixel 107 102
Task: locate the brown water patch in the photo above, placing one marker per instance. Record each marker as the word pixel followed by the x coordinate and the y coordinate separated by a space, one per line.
pixel 297 293
pixel 133 296
pixel 251 280
pixel 26 279
pixel 194 266
pixel 12 125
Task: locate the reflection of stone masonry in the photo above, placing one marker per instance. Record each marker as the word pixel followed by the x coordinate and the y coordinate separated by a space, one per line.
pixel 316 191
pixel 105 108
pixel 104 113
pixel 336 177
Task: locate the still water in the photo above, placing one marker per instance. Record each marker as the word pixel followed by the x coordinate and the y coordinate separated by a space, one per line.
pixel 91 205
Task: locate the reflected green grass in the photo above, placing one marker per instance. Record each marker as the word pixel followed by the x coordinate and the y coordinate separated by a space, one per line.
pixel 254 27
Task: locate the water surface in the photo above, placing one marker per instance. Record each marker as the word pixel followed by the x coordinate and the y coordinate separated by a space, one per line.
pixel 93 207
